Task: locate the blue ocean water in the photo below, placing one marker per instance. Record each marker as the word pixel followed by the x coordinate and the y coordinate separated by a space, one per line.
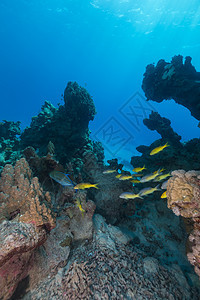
pixel 105 46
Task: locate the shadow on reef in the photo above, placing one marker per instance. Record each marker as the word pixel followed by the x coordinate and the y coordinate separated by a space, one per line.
pixel 21 289
pixel 53 246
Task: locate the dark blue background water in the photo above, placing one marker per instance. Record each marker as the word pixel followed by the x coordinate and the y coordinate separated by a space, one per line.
pixel 104 46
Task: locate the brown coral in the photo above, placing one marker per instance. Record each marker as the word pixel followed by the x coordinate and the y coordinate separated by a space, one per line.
pixel 183 193
pixel 42 166
pixel 22 197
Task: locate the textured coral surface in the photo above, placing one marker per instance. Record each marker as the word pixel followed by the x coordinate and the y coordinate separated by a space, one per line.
pixel 17 242
pixel 110 268
pixel 22 197
pixel 183 193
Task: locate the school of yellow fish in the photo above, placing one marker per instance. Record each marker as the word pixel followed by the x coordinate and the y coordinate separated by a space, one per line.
pixel 136 177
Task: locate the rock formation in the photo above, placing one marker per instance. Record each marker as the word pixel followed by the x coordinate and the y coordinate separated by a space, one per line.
pixel 176 80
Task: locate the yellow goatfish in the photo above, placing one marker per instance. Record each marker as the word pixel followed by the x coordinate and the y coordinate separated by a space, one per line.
pixel 135 181
pixel 164 195
pixel 139 169
pixel 128 195
pixel 109 171
pixel 148 190
pixel 83 186
pixel 158 149
pixel 161 177
pixel 137 175
pixel 125 177
pixel 149 177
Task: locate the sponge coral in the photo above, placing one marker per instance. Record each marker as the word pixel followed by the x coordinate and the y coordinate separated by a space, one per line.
pixel 183 193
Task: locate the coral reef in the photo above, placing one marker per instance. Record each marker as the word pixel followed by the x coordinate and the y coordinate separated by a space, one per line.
pixel 175 80
pixel 53 246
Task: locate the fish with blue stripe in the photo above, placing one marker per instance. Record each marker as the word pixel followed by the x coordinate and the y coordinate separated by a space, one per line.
pixel 61 178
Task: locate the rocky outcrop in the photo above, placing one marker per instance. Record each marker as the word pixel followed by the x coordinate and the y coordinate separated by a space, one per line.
pixel 175 80
pixel 66 127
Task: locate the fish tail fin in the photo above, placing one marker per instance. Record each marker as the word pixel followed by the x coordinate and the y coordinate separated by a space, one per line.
pixel 144 167
pixel 167 145
pixel 139 196
pixel 158 187
pixel 67 175
pixel 95 186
